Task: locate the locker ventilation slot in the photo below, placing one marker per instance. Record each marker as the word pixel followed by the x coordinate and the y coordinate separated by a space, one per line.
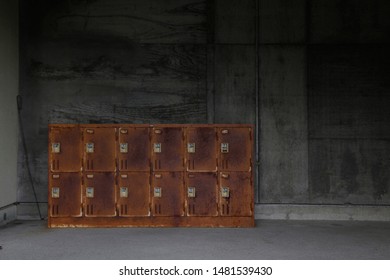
pixel 89 209
pixel 123 209
pixel 225 164
pixel 124 164
pixel 54 210
pixel 89 164
pixel 157 164
pixel 56 164
pixel 191 164
pixel 225 209
pixel 191 209
pixel 157 209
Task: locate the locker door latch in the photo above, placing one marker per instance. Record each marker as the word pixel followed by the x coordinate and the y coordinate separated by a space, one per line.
pixel 124 192
pixel 89 192
pixel 55 192
pixel 123 147
pixel 224 148
pixel 157 192
pixel 225 192
pixel 55 148
pixel 89 148
pixel 157 147
pixel 191 148
pixel 191 192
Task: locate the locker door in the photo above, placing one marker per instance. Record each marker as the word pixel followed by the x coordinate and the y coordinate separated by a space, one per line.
pixel 201 194
pixel 235 191
pixel 133 149
pixel 167 194
pixel 235 146
pixel 99 149
pixel 99 192
pixel 201 149
pixel 64 149
pixel 133 194
pixel 167 149
pixel 65 195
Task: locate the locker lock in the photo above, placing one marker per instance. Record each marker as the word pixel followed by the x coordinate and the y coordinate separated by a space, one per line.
pixel 191 148
pixel 157 147
pixel 89 148
pixel 55 148
pixel 191 192
pixel 124 148
pixel 225 192
pixel 124 192
pixel 157 192
pixel 224 148
pixel 55 192
pixel 89 192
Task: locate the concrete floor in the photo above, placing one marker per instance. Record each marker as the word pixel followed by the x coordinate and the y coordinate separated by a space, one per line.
pixel 270 239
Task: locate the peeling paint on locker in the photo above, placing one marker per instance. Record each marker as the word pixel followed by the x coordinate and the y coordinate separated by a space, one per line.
pixel 167 194
pixel 133 149
pixel 201 194
pixel 201 147
pixel 64 149
pixel 65 195
pixel 99 193
pixel 133 193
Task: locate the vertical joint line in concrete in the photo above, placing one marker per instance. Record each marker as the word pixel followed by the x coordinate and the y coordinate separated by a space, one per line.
pixel 257 101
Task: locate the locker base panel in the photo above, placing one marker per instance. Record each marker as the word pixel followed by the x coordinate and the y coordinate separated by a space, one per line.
pixel 58 222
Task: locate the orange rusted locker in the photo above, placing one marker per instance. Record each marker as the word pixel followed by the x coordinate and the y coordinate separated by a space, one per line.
pixel 99 148
pixel 99 193
pixel 133 149
pixel 201 194
pixel 167 148
pixel 167 194
pixel 133 192
pixel 115 175
pixel 65 194
pixel 236 195
pixel 64 148
pixel 235 148
pixel 201 147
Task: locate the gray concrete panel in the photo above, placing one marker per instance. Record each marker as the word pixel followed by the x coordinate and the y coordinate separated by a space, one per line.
pixel 234 84
pixel 349 21
pixel 283 121
pixel 352 171
pixel 235 21
pixel 282 21
pixel 349 91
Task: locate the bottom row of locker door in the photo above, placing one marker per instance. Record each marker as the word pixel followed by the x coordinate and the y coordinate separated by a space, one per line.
pixel 133 195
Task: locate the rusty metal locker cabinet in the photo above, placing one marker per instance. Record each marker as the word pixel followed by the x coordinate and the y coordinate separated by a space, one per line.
pixel 201 149
pixel 133 194
pixel 133 149
pixel 167 194
pixel 99 148
pixel 65 195
pixel 201 196
pixel 167 148
pixel 235 148
pixel 99 193
pixel 236 194
pixel 64 149
pixel 125 175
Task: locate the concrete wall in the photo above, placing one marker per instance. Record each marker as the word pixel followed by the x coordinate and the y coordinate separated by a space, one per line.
pixel 9 65
pixel 319 67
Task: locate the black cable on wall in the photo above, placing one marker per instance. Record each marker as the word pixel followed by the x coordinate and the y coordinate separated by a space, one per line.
pixel 21 128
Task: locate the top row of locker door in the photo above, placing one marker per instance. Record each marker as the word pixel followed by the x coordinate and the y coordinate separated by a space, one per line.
pixel 160 148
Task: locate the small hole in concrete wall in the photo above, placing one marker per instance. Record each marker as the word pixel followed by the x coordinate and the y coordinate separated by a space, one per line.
pixel 5 216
